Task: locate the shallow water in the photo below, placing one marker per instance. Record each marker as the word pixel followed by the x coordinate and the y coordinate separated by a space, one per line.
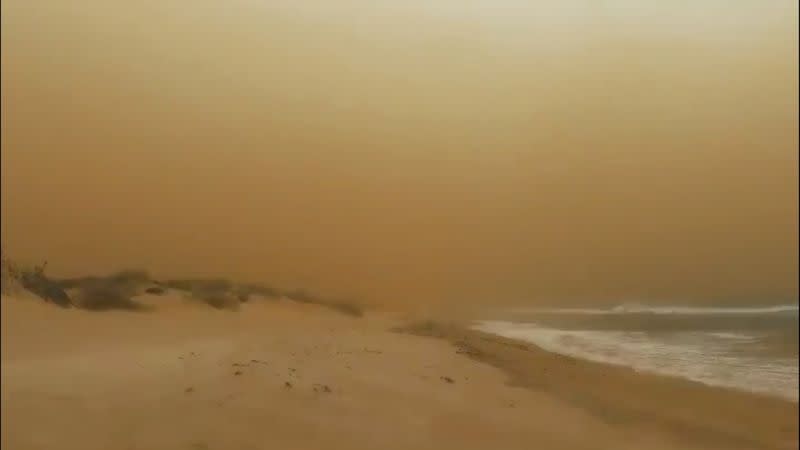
pixel 751 349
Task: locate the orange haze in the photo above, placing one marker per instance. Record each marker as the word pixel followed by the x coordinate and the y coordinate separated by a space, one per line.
pixel 437 150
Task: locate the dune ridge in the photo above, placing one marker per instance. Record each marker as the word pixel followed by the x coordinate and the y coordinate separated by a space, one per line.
pixel 119 290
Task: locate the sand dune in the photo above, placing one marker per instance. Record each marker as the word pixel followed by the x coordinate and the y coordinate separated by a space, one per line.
pixel 297 376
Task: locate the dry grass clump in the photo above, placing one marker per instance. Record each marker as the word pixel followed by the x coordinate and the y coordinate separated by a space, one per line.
pixel 117 291
pixel 130 279
pixel 203 285
pixel 109 292
pixel 16 277
pixel 103 296
pixel 215 292
pixel 219 300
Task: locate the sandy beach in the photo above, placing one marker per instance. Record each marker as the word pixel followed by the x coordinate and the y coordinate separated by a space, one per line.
pixel 293 376
pixel 281 224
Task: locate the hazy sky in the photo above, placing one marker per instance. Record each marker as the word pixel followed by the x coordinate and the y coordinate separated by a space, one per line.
pixel 458 151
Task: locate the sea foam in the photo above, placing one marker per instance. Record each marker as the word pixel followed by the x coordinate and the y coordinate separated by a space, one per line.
pixel 710 357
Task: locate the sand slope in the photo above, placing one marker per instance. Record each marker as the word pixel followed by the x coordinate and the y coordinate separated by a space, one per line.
pixel 272 375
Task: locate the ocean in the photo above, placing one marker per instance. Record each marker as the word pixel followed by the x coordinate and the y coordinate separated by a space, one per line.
pixel 747 348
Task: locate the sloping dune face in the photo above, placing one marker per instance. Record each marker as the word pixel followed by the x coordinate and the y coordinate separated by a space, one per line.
pixel 471 151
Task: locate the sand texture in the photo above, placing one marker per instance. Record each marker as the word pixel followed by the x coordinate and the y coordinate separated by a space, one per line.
pixel 285 375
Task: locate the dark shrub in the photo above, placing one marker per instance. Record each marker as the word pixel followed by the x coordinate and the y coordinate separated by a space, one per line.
pixel 155 290
pixel 105 297
pixel 200 285
pixel 36 282
pixel 220 301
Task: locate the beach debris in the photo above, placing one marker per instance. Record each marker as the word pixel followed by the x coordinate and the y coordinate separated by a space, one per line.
pixel 287 385
pixel 322 388
pixel 189 390
pixel 252 361
pixel 237 373
pixel 462 348
pixel 155 290
pixel 448 380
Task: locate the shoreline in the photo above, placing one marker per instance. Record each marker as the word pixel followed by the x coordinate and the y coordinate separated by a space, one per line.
pixel 782 353
pixel 717 414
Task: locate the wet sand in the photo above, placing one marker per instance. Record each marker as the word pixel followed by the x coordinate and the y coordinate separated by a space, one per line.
pixel 294 376
pixel 690 412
